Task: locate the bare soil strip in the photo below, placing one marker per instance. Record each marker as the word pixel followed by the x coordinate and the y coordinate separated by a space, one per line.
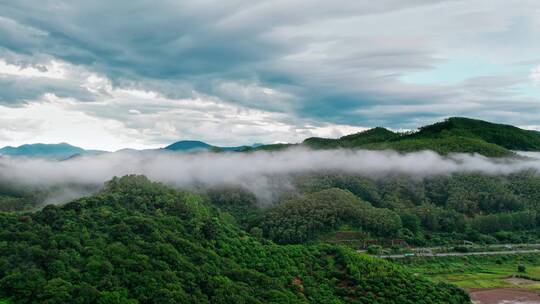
pixel 504 296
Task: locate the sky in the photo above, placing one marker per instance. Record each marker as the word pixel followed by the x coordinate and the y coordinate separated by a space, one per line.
pixel 143 74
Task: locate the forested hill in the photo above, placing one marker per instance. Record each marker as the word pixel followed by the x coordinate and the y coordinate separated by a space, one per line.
pixel 141 242
pixel 455 134
pixel 506 136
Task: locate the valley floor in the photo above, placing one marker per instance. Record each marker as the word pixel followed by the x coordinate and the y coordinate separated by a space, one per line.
pixel 504 296
pixel 489 279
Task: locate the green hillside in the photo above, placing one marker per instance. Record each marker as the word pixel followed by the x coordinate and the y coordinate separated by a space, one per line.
pixel 431 211
pixel 454 135
pixel 141 242
pixel 442 145
pixel 307 217
pixel 268 148
pixel 506 136
pixel 375 135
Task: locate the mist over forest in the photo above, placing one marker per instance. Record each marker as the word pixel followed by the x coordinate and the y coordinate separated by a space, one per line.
pixel 265 174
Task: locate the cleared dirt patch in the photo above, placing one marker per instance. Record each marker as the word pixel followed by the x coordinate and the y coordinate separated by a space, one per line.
pixel 504 296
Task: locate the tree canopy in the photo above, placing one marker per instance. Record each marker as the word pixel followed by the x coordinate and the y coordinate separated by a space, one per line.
pixel 141 242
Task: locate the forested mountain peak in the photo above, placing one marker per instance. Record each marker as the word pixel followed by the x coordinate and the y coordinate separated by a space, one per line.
pixel 373 132
pixel 507 136
pixel 188 145
pixel 453 135
pixel 374 135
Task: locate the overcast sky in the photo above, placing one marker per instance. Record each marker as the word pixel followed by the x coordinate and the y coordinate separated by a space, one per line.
pixel 114 74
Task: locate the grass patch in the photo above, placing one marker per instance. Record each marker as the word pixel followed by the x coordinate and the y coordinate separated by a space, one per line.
pixel 477 271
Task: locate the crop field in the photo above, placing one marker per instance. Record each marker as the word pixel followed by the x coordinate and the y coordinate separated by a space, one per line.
pixel 479 272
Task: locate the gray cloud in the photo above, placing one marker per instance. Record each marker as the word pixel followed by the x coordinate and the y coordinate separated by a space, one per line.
pixel 14 92
pixel 324 61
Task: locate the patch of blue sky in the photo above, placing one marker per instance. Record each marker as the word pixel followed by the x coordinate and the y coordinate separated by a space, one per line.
pixel 528 90
pixel 454 71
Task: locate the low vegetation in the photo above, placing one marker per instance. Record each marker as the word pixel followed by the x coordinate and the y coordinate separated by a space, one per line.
pixel 480 271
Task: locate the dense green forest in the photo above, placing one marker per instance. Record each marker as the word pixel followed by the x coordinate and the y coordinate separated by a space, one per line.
pixel 301 219
pixel 432 210
pixel 141 242
pixel 420 211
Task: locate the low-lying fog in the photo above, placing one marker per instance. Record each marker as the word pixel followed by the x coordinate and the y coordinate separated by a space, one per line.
pixel 255 171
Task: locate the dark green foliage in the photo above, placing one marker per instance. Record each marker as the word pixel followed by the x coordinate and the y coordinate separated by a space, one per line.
pixel 470 206
pixel 375 135
pixel 269 148
pixel 374 249
pixel 141 242
pixel 240 203
pixel 467 135
pixel 444 144
pixel 17 203
pixel 410 221
pixel 513 221
pixel 506 136
pixel 304 218
pixel 364 188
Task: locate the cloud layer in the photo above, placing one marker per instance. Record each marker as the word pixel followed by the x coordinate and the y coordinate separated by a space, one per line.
pixel 287 67
pixel 264 173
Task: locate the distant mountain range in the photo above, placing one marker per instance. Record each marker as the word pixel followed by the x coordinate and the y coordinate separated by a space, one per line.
pixel 454 134
pixel 64 151
pixel 49 151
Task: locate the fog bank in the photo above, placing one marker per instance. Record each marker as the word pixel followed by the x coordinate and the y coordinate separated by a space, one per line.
pixel 259 172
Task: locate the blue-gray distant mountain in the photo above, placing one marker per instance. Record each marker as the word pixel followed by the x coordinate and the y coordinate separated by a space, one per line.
pixel 198 146
pixel 49 151
pixel 189 146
